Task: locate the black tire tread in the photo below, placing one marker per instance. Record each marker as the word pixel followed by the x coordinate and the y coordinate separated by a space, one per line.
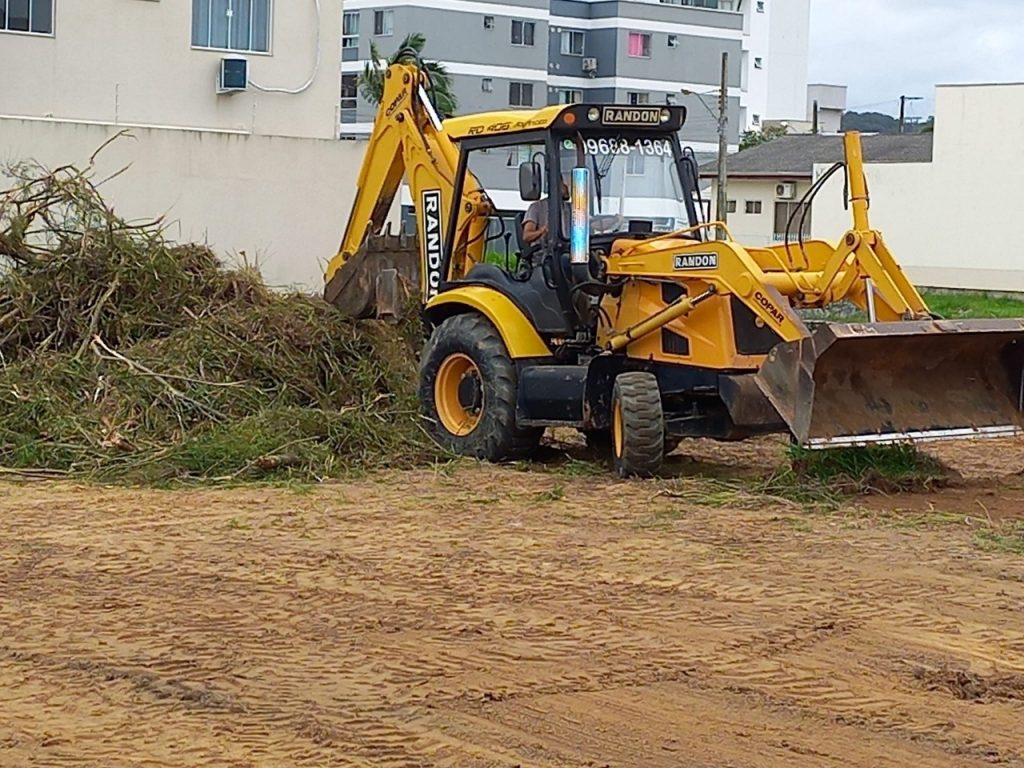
pixel 643 424
pixel 501 439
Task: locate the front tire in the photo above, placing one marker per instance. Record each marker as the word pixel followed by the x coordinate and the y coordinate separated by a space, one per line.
pixel 468 392
pixel 638 425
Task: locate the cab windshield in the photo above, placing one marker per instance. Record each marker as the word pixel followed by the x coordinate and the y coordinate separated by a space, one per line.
pixel 634 182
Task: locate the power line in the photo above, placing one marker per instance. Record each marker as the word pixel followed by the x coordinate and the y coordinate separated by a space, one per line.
pixel 876 104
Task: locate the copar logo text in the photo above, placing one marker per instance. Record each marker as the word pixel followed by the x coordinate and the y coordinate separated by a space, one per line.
pixel 432 240
pixel 774 311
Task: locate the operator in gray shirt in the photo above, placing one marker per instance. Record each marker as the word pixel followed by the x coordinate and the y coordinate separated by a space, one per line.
pixel 535 222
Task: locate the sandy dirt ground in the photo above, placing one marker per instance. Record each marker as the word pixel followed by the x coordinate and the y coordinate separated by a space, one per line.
pixel 489 616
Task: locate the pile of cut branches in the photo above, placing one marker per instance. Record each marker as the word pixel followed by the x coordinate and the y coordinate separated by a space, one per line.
pixel 125 357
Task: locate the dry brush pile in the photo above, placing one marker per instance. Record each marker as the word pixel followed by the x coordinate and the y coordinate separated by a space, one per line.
pixel 125 357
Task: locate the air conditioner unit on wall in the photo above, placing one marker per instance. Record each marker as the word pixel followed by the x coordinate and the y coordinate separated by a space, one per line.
pixel 785 191
pixel 590 65
pixel 233 75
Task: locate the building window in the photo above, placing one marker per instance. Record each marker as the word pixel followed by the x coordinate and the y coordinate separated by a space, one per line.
pixel 570 96
pixel 350 30
pixel 27 16
pixel 640 45
pixel 522 32
pixel 487 85
pixel 520 94
pixel 760 6
pixel 572 42
pixel 783 212
pixel 753 207
pixel 639 97
pixel 349 97
pixel 234 25
pixel 758 62
pixel 673 41
pixel 488 22
pixel 384 23
pixel 730 206
pixel 757 119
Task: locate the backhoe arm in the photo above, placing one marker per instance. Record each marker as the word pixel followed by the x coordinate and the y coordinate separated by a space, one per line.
pixel 408 142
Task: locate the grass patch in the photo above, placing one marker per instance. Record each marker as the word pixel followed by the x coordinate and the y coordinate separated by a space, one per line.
pixel 782 489
pixel 1008 539
pixel 880 468
pixel 557 493
pixel 952 305
pixel 965 305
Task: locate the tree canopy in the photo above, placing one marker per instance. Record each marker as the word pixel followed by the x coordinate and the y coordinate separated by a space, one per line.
pixel 371 81
pixel 756 138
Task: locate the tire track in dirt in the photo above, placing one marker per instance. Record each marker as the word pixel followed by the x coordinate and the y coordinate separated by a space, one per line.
pixel 464 621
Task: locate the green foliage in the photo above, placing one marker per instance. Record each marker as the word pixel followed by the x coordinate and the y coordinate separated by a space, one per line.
pixel 887 468
pixel 751 139
pixel 129 359
pixel 371 81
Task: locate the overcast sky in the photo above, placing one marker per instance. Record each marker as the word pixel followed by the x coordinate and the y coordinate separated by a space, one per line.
pixel 884 48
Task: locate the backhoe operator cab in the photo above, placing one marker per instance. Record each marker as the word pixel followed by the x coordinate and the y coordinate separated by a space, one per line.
pixel 625 320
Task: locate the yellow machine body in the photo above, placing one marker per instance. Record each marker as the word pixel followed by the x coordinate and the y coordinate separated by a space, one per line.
pixel 718 324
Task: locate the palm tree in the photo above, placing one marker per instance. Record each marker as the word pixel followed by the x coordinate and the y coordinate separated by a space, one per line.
pixel 371 82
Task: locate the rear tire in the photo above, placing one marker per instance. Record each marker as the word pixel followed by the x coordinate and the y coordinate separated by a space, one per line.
pixel 638 425
pixel 468 392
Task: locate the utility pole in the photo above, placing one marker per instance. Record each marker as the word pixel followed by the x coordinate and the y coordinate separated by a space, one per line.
pixel 721 118
pixel 903 110
pixel 723 143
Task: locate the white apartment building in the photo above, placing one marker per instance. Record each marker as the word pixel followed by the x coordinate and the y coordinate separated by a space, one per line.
pixel 257 170
pixel 141 62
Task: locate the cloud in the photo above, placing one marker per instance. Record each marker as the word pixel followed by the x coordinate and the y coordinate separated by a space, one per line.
pixel 882 49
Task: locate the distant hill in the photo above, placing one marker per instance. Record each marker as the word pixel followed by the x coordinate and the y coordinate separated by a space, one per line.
pixel 879 122
pixel 870 122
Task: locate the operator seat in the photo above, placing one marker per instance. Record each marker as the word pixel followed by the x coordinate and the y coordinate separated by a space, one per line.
pixel 518 224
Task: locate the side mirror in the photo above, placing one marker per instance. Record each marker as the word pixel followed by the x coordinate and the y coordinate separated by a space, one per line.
pixel 530 181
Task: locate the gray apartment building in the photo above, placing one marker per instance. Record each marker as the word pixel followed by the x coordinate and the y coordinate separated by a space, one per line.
pixel 524 54
pixel 530 53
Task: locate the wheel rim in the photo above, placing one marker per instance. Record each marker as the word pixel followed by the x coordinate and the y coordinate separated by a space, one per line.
pixel 458 394
pixel 617 429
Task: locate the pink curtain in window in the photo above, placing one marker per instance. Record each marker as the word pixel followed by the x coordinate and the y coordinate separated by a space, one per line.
pixel 636 44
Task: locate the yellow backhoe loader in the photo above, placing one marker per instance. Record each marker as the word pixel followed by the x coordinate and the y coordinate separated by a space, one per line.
pixel 626 318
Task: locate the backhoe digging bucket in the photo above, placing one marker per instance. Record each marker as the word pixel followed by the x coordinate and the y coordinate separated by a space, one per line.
pixel 373 282
pixel 892 382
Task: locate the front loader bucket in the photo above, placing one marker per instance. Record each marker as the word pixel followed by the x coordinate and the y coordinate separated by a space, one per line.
pixel 904 381
pixel 372 282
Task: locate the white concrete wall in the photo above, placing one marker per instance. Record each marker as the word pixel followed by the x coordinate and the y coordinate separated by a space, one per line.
pixel 283 202
pixel 952 223
pixel 788 59
pixel 125 61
